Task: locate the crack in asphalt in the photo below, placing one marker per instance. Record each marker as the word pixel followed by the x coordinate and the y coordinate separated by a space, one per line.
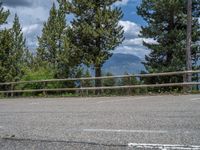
pixel 61 141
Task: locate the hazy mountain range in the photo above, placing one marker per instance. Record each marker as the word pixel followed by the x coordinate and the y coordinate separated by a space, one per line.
pixel 118 64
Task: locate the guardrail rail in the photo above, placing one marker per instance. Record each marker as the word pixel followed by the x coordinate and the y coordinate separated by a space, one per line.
pixel 81 88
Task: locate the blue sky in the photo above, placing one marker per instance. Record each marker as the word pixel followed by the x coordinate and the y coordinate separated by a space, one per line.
pixel 130 11
pixel 33 13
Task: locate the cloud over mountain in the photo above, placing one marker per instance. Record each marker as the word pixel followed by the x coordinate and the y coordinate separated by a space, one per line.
pixel 133 44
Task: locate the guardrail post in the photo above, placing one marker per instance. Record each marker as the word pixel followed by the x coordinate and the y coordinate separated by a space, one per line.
pixel 44 87
pixel 12 88
pixel 186 88
pixel 129 89
pixel 197 81
pixel 81 91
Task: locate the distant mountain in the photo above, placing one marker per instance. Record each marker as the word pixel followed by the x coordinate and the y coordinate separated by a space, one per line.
pixel 118 64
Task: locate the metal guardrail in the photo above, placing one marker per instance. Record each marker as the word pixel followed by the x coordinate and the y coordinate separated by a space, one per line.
pixel 12 84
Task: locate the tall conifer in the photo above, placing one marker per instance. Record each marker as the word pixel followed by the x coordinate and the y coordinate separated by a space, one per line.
pixel 3 15
pixel 13 51
pixel 55 48
pixel 96 31
pixel 20 52
pixel 5 46
pixel 50 43
pixel 167 24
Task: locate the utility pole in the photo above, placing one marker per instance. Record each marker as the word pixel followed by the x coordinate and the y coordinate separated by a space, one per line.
pixel 189 40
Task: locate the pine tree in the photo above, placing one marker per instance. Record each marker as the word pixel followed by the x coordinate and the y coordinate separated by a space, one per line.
pixel 50 43
pixel 129 81
pixel 4 45
pixel 87 83
pixel 13 52
pixel 3 15
pixel 54 48
pixel 95 31
pixel 20 54
pixel 166 24
pixel 5 52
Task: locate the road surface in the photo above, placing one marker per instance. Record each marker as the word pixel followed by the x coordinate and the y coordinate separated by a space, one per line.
pixel 149 122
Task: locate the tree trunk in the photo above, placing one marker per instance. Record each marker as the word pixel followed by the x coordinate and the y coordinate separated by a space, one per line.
pixel 189 42
pixel 98 82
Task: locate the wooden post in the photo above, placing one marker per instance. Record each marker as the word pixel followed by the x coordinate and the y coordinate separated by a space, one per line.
pixel 129 90
pixel 185 88
pixel 81 91
pixel 44 92
pixel 12 88
pixel 189 42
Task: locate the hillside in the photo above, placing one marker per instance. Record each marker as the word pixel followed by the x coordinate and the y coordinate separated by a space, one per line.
pixel 120 63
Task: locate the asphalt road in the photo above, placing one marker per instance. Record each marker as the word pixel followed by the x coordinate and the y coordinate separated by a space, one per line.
pixel 101 123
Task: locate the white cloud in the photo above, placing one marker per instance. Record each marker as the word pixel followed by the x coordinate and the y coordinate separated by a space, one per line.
pixel 133 44
pixel 139 51
pixel 30 29
pixel 123 2
pixel 131 29
pixel 31 16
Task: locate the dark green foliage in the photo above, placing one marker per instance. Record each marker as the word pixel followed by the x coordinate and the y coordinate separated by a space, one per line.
pixel 127 81
pixel 95 31
pixel 109 82
pixel 5 54
pixel 4 45
pixel 166 24
pixel 20 54
pixel 13 53
pixel 50 43
pixel 54 49
pixel 87 83
pixel 3 15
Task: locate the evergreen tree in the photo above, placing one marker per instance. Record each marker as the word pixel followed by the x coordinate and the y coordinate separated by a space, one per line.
pixel 54 48
pixel 129 81
pixel 3 15
pixel 166 24
pixel 109 82
pixel 19 55
pixel 13 51
pixel 5 44
pixel 50 43
pixel 87 83
pixel 5 54
pixel 95 31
